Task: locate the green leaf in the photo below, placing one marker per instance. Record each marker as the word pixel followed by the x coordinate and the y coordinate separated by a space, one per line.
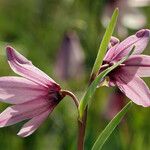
pixel 105 41
pixel 110 128
pixel 92 88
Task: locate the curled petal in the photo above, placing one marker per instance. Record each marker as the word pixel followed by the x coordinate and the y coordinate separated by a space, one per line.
pixel 20 112
pixel 139 40
pixel 135 89
pixel 17 90
pixel 140 63
pixel 113 42
pixel 33 124
pixel 25 68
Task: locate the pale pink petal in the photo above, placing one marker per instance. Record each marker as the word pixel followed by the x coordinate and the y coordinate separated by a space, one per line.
pixel 33 124
pixel 111 53
pixel 20 112
pixel 135 89
pixel 139 64
pixel 111 48
pixel 17 90
pixel 25 68
pixel 139 40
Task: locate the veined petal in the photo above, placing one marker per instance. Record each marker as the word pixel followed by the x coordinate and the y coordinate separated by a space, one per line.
pixel 25 68
pixel 17 90
pixel 20 112
pixel 33 124
pixel 139 40
pixel 111 48
pixel 111 53
pixel 140 63
pixel 135 89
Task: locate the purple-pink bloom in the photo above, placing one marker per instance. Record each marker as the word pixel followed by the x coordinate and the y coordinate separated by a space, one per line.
pixel 127 76
pixel 34 95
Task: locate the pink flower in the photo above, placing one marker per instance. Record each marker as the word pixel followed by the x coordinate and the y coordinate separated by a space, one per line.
pixel 127 76
pixel 34 95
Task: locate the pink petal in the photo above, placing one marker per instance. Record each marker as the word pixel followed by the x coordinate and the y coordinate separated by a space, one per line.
pixel 20 112
pixel 139 64
pixel 135 89
pixel 33 124
pixel 16 90
pixel 114 42
pixel 111 53
pixel 24 67
pixel 139 40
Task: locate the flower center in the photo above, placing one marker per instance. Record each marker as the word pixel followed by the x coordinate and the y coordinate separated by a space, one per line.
pixel 55 96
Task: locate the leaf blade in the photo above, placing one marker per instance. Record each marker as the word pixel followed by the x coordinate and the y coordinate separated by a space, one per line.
pixel 110 128
pixel 105 41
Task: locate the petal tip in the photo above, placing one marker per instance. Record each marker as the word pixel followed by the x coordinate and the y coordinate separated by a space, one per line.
pixel 21 135
pixel 143 33
pixel 9 51
pixel 9 48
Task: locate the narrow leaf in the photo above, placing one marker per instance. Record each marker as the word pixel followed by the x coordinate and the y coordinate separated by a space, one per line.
pixel 105 41
pixel 92 88
pixel 110 128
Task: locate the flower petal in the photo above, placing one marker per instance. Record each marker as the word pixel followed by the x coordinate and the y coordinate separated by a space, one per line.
pixel 111 48
pixel 20 112
pixel 111 53
pixel 17 90
pixel 135 89
pixel 33 124
pixel 139 40
pixel 25 68
pixel 140 63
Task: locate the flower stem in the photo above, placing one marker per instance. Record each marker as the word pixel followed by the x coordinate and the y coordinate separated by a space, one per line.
pixel 81 130
pixel 74 98
pixel 82 123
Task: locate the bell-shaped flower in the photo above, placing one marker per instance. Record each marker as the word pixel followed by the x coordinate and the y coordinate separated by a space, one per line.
pixel 70 58
pixel 34 95
pixel 127 76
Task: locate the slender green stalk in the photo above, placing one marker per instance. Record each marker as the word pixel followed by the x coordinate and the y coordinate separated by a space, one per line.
pixel 81 130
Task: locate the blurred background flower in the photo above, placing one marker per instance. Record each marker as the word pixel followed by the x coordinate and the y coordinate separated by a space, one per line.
pixel 114 104
pixel 131 17
pixel 70 59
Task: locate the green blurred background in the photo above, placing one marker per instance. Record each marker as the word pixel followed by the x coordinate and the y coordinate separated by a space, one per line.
pixel 37 29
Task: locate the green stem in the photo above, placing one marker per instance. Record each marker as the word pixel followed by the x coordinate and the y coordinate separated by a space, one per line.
pixel 74 98
pixel 81 130
pixel 82 124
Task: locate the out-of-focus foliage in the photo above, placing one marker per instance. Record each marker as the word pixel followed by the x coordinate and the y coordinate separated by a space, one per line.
pixel 36 29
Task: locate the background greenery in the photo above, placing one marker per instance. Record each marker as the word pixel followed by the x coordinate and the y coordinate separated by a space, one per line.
pixel 36 29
